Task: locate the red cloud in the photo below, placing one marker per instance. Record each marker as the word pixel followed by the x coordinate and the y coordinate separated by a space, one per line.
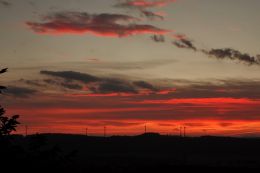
pixel 147 3
pixel 143 5
pixel 108 25
pixel 204 101
pixel 54 114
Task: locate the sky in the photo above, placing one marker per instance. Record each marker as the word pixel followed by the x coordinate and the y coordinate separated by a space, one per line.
pixel 127 64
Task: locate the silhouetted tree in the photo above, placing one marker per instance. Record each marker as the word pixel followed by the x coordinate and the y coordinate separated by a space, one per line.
pixel 9 151
pixel 7 125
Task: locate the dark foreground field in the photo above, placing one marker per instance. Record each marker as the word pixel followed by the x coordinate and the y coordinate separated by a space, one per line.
pixel 148 152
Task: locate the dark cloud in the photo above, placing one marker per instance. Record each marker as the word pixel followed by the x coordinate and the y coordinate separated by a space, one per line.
pixel 226 53
pixel 114 86
pixel 145 85
pixel 71 75
pixel 97 85
pixel 184 42
pixel 151 15
pixel 5 3
pixel 19 91
pixel 231 88
pixel 3 70
pixel 67 84
pixel 110 25
pixel 2 88
pixel 158 38
pixel 232 54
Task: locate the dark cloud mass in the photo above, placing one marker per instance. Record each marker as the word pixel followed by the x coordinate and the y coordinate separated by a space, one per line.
pixel 152 15
pixel 110 25
pixel 158 38
pixel 83 82
pixel 71 75
pixel 115 86
pixel 97 85
pixel 232 54
pixel 183 42
pixel 21 92
pixel 226 53
pixel 231 88
pixel 67 84
pixel 145 85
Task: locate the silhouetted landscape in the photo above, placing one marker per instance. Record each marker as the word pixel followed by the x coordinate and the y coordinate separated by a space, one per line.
pixel 147 152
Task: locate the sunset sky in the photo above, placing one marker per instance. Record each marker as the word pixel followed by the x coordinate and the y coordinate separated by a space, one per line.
pixel 77 64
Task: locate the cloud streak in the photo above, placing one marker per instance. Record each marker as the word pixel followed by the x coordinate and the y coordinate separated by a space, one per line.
pixel 90 85
pixel 184 42
pixel 233 54
pixel 71 75
pixel 105 24
pixel 226 53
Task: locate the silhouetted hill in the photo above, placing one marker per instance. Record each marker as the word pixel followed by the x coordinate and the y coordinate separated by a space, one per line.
pixel 152 151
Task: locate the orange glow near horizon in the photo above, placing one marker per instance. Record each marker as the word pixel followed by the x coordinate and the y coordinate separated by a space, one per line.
pixel 200 116
pixel 193 128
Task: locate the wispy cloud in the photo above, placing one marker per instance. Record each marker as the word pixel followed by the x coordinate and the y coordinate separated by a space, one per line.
pixel 71 75
pixel 144 6
pixel 143 3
